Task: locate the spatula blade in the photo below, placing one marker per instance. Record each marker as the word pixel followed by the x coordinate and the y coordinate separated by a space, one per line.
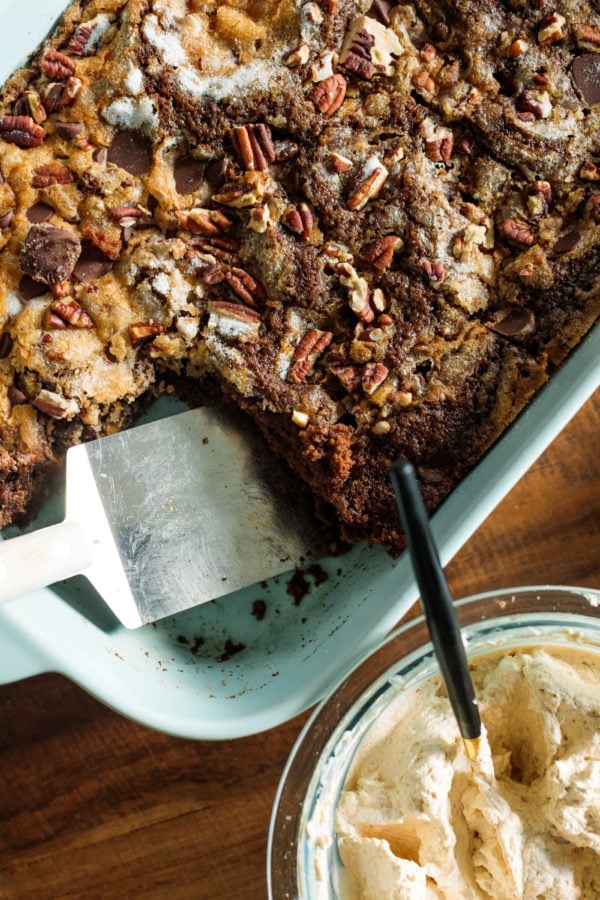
pixel 197 508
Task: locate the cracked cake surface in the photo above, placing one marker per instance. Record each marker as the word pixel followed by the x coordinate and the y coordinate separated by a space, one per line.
pixel 373 227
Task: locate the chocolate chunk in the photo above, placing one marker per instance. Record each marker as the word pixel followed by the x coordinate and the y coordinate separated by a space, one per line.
pixel 189 175
pixel 567 242
pixel 516 322
pixel 216 173
pixel 586 73
pixel 5 344
pixel 6 219
pixel 49 254
pixel 380 10
pixel 29 288
pixel 68 130
pixel 92 263
pixel 99 155
pixel 15 396
pixel 131 151
pixel 40 212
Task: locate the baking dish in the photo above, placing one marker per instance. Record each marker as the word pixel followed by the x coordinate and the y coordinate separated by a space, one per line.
pixel 258 657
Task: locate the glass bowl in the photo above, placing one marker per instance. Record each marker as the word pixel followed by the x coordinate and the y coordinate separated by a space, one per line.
pixel 302 856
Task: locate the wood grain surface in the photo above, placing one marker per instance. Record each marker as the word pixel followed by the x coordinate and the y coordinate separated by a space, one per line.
pixel 95 806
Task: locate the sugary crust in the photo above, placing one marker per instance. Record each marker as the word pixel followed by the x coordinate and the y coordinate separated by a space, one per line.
pixel 376 229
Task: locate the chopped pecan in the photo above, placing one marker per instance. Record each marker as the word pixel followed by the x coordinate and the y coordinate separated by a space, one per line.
pixel 58 94
pixel 72 313
pixel 254 146
pixel 367 184
pixel 54 405
pixel 357 57
pixel 204 221
pixel 285 150
pixel 380 253
pixel 423 80
pixel 551 29
pixel 110 246
pixel 53 321
pixel 439 146
pixel 373 376
pixel 540 198
pixel 349 376
pixel 248 191
pixel 61 288
pixel 141 333
pixel 370 48
pixel 340 163
pixel 434 270
pixel 589 171
pixel 587 36
pixel 428 53
pixel 260 219
pixel 30 104
pixel 248 289
pixel 518 47
pixel 21 130
pixel 297 57
pixel 307 352
pixel 218 248
pixel 328 95
pixel 533 103
pixel 126 216
pixel 56 65
pixel 519 232
pixel 52 173
pixel 298 219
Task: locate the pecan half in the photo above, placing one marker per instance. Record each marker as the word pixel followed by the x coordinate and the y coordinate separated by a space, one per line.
pixel 72 313
pixel 141 333
pixel 357 58
pixel 307 352
pixel 218 248
pixel 380 253
pixel 373 376
pixel 587 36
pixel 56 65
pixel 125 216
pixel 253 145
pixel 52 173
pixel 21 130
pixel 328 95
pixel 298 219
pixel 519 232
pixel 236 311
pixel 85 38
pixel 367 184
pixel 248 289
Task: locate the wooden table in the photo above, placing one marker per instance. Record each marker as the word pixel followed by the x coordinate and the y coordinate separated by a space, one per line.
pixel 94 806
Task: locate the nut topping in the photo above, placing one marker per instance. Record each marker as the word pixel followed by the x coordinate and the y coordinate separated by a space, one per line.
pixel 53 173
pixel 254 146
pixel 72 313
pixel 380 253
pixel 141 333
pixel 236 311
pixel 55 405
pixel 306 354
pixel 373 376
pixel 298 219
pixel 518 47
pixel 552 29
pixel 328 95
pixel 370 48
pixel 56 65
pixel 519 232
pixel 204 221
pixel 21 130
pixel 589 171
pixel 367 185
pixel 297 57
pixel 248 289
pixel 587 37
pixel 340 163
pixel 531 105
pixel 434 270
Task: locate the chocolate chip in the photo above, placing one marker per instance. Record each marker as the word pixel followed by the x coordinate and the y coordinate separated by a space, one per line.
pixel 515 322
pixel 6 219
pixel 92 263
pixel 15 396
pixel 40 212
pixel 567 242
pixel 29 289
pixel 131 151
pixel 99 155
pixel 49 254
pixel 216 173
pixel 586 73
pixel 68 130
pixel 380 10
pixel 5 344
pixel 189 175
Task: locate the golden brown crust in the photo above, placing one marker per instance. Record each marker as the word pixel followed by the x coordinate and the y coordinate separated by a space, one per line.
pixel 376 228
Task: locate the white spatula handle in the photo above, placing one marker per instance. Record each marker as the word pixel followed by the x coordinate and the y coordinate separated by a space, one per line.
pixel 42 557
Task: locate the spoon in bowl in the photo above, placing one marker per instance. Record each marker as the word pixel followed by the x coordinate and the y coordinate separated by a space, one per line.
pixel 437 604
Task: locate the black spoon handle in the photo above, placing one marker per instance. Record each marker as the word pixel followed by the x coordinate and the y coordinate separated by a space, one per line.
pixel 436 600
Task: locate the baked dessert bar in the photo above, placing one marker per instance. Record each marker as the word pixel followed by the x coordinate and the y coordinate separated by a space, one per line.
pixel 373 227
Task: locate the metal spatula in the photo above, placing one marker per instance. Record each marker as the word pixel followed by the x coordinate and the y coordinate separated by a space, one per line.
pixel 166 516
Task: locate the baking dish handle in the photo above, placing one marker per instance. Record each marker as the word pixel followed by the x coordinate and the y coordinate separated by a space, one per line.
pixel 19 658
